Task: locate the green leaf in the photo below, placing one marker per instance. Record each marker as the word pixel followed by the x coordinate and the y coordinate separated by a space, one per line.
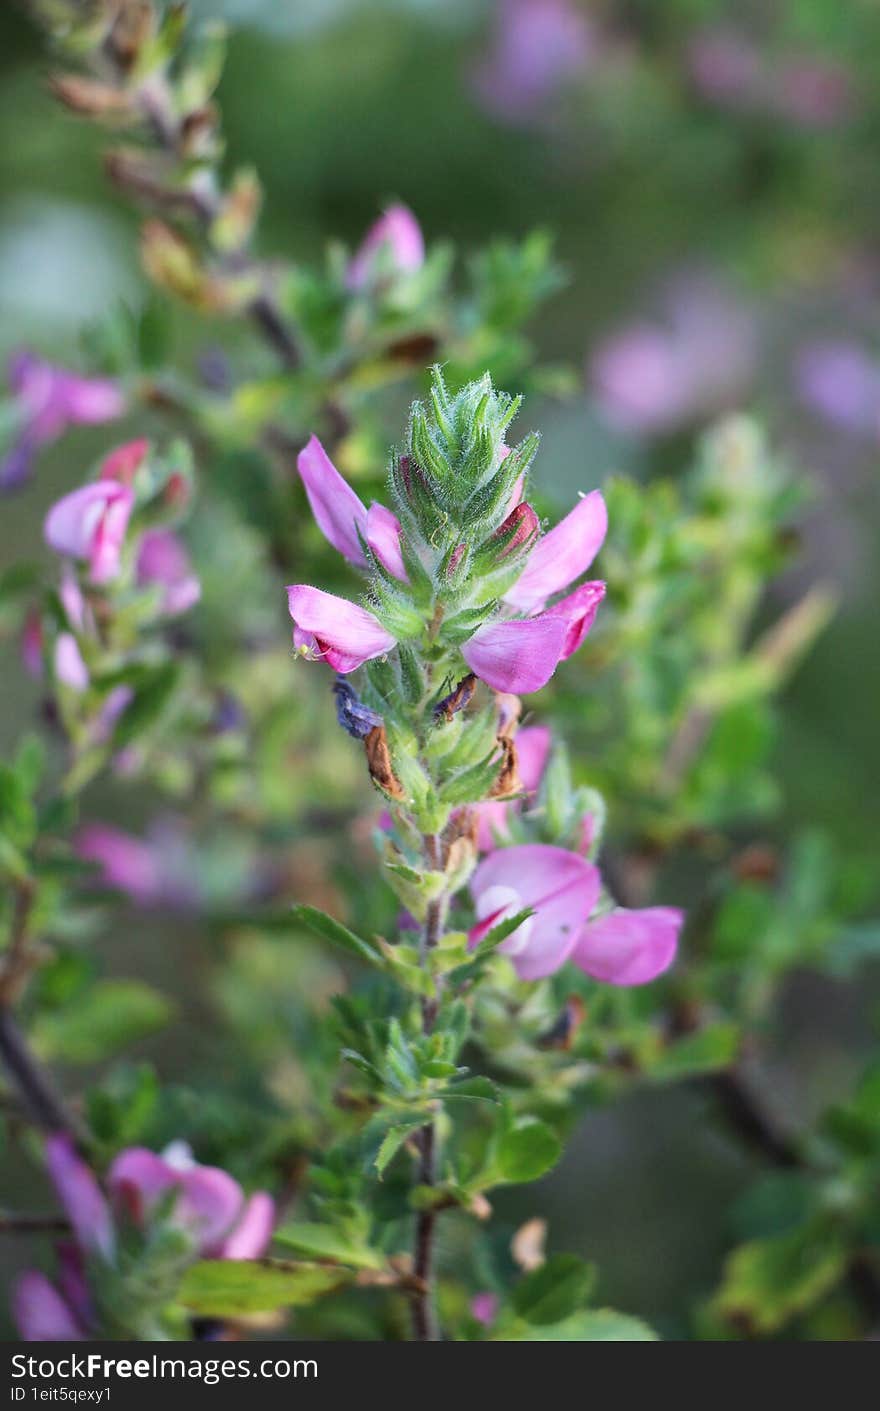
pixel 152 695
pixel 334 931
pixel 500 933
pixel 18 820
pixel 704 1052
pixel 324 1242
pixel 391 1144
pixel 527 1150
pixel 768 1282
pixel 103 1019
pixel 559 1288
pixel 597 1325
pixel 229 1288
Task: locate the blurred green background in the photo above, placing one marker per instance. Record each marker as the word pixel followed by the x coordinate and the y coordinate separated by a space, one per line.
pixel 652 168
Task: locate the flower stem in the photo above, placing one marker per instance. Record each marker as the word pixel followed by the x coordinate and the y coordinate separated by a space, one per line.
pixel 425 1326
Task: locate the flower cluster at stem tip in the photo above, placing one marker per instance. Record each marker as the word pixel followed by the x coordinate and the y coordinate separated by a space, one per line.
pixel 463 588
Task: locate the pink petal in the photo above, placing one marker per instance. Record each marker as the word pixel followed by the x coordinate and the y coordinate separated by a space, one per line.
pixel 137 1179
pixel 562 555
pixel 69 665
pixel 561 887
pixel 162 559
pixel 517 656
pixel 210 1203
pixel 90 400
pixel 40 1313
pixel 577 612
pixel 399 232
pixel 90 523
pixel 251 1237
pixel 126 862
pixel 484 1307
pixel 383 537
pixel 122 463
pixel 81 1196
pixel 629 947
pixel 344 634
pixel 338 511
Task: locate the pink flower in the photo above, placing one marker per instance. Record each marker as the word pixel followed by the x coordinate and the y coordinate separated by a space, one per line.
pixel 90 523
pixel 560 887
pixel 126 862
pixel 396 237
pixel 41 1314
pixel 335 630
pixel 518 656
pixel 629 947
pixel 70 668
pixel 484 1307
pixel 561 555
pixel 81 1197
pixel 163 560
pixel 651 377
pixel 50 399
pixel 839 380
pixel 538 46
pixel 208 1205
pixel 342 517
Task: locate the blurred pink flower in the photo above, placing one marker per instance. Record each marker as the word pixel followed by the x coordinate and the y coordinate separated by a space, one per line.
pixel 493 817
pixel 537 47
pixel 49 400
pixel 484 1307
pixel 394 242
pixel 808 90
pixel 696 360
pixel 840 381
pixel 90 524
pixel 163 560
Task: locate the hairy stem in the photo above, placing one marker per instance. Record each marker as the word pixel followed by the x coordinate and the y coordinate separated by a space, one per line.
pixel 38 1094
pixel 425 1327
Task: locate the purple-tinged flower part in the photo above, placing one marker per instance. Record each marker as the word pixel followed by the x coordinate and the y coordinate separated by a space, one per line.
pixel 252 1235
pixel 354 717
pixel 561 555
pixel 725 67
pixel 32 644
pixel 90 523
pixel 339 513
pixel 127 863
pixel 519 656
pixel 559 886
pixel 813 92
pixel 72 600
pixel 210 1207
pixel 538 46
pixel 50 399
pixel 838 380
pixel 70 669
pixel 397 232
pixel 123 463
pixel 71 1283
pixel 652 377
pixel 577 612
pixel 520 527
pixel 81 1196
pixel 586 833
pixel 383 530
pixel 639 380
pixel 114 705
pixel 629 947
pixel 335 630
pixel 41 1314
pixel 484 1307
pixel 342 516
pixel 163 560
pixel 493 817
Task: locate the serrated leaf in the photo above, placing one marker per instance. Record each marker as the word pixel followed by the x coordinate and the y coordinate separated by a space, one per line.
pixel 333 930
pixel 231 1288
pixel 391 1144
